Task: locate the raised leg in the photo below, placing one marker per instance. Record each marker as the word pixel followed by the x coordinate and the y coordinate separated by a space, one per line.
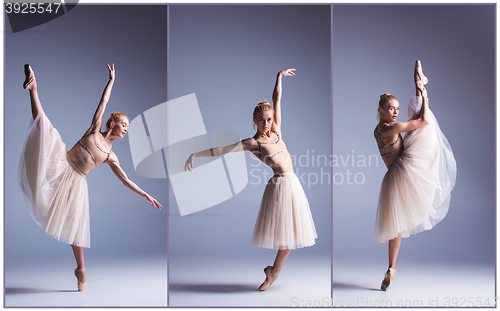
pixel 272 272
pixel 36 106
pixel 30 84
pixel 420 80
pixel 80 267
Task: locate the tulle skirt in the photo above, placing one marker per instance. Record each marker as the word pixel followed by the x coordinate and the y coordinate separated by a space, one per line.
pixel 284 220
pixel 416 191
pixel 56 190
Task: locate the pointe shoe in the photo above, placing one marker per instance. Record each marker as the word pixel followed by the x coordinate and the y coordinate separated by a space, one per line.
pixel 81 285
pixel 30 81
pixel 419 74
pixel 271 276
pixel 386 284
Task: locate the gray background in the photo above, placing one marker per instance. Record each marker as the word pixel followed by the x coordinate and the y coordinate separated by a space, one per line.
pixel 374 50
pixel 69 56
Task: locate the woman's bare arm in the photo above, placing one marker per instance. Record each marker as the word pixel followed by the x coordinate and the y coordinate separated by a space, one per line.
pixel 421 120
pixel 246 144
pixel 97 119
pixel 277 94
pixel 122 176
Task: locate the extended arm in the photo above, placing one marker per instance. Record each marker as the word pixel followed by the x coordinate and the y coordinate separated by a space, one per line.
pixel 277 94
pixel 247 144
pixel 97 119
pixel 412 124
pixel 419 120
pixel 115 167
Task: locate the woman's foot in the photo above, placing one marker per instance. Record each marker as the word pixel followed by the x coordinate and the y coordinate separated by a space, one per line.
pixel 388 279
pixel 419 76
pixel 30 81
pixel 82 280
pixel 271 276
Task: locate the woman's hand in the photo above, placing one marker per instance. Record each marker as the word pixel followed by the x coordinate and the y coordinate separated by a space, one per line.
pixel 287 72
pixel 153 201
pixel 111 71
pixel 189 163
pixel 422 90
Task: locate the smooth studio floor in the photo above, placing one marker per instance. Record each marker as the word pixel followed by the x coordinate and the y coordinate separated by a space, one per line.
pixel 234 282
pixel 110 282
pixel 196 282
pixel 443 284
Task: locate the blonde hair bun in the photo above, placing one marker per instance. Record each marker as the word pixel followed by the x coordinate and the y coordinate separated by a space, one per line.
pixel 385 98
pixel 115 117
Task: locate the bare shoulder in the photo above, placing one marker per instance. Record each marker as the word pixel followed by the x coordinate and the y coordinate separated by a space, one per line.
pixel 381 128
pixel 250 144
pixel 389 128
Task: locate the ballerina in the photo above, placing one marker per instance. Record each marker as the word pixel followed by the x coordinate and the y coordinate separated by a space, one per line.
pixel 284 221
pixel 415 191
pixel 54 181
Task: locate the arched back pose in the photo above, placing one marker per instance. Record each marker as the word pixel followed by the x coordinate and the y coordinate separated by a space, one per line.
pixel 54 180
pixel 415 191
pixel 284 221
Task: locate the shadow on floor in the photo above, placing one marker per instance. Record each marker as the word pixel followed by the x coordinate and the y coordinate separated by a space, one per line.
pixel 213 288
pixel 25 290
pixel 336 285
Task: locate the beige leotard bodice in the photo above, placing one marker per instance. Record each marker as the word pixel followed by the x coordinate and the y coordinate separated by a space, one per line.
pixel 275 155
pixel 82 160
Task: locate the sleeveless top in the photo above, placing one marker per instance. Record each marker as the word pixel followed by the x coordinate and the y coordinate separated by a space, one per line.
pixel 389 156
pixel 260 148
pixel 95 142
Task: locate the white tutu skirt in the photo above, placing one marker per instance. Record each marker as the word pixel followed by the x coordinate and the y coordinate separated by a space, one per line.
pixel 416 190
pixel 284 220
pixel 56 190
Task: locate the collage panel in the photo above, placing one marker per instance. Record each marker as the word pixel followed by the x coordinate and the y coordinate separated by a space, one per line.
pixel 127 262
pixel 374 52
pixel 229 56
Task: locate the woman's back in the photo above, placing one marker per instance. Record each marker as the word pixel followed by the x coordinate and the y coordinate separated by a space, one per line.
pixel 389 151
